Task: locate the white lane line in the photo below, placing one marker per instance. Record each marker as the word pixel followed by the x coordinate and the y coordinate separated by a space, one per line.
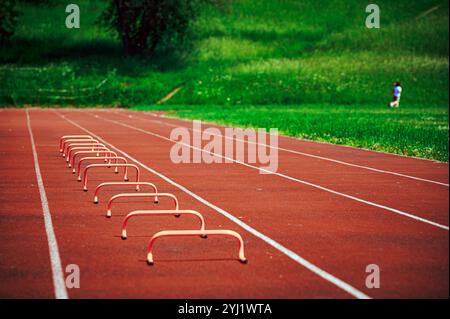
pixel 300 260
pixel 55 260
pixel 390 209
pixel 303 153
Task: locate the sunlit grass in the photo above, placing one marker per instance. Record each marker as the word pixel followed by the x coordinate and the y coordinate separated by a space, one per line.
pixel 418 131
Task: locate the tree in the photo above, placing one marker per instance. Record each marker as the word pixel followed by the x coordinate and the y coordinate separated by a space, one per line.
pixel 143 25
pixel 8 19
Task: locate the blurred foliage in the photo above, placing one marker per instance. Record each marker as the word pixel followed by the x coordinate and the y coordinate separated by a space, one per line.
pixel 8 20
pixel 143 25
pixel 233 53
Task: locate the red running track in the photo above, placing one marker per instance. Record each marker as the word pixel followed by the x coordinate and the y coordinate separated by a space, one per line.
pixel 310 231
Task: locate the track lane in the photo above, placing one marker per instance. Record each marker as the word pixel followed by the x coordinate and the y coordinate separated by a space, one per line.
pixel 384 163
pixel 416 200
pixel 362 238
pixel 25 270
pixel 55 259
pixel 185 268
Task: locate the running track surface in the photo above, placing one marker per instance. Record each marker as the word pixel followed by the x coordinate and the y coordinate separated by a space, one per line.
pixel 310 231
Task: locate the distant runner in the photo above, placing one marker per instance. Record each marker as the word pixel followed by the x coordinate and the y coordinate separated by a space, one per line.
pixel 396 94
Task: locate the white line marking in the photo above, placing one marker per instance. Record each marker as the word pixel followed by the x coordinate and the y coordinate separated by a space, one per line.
pixel 305 263
pixel 304 154
pixel 57 273
pixel 396 211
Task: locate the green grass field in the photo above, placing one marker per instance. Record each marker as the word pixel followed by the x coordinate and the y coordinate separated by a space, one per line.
pixel 420 132
pixel 310 68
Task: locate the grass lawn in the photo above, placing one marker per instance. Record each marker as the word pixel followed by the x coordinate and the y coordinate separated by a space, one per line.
pixel 421 132
pixel 251 52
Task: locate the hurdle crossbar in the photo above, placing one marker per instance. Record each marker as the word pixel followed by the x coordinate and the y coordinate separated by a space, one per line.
pixel 71 146
pixel 100 151
pixel 65 137
pixel 140 213
pixel 137 184
pixel 69 141
pixel 125 176
pixel 133 195
pixel 179 233
pixel 83 147
pixel 109 159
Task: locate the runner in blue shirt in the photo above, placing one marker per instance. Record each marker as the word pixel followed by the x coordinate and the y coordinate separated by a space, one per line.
pixel 396 94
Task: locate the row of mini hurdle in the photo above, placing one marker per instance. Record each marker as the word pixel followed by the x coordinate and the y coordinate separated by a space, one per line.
pixel 79 149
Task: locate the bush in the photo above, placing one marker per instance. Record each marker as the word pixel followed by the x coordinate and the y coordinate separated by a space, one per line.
pixel 145 25
pixel 8 19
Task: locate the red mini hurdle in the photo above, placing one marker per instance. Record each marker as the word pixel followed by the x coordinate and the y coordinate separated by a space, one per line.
pixel 138 213
pixel 83 143
pixel 108 159
pixel 101 151
pixel 97 150
pixel 137 184
pixel 69 141
pixel 65 137
pixel 178 233
pixel 125 177
pixel 94 147
pixel 72 146
pixel 156 195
